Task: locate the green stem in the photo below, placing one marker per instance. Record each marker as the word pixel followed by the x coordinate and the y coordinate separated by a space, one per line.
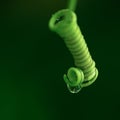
pixel 72 4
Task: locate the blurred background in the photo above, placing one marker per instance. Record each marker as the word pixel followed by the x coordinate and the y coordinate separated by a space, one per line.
pixel 33 61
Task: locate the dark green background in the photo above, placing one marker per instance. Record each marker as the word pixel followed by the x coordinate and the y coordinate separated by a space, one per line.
pixel 33 61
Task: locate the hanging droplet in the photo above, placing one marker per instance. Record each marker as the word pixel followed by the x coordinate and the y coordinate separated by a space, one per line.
pixel 74 89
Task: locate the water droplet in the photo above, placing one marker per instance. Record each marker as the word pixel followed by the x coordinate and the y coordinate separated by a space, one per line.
pixel 74 89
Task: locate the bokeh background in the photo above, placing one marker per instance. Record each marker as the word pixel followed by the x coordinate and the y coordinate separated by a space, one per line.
pixel 33 61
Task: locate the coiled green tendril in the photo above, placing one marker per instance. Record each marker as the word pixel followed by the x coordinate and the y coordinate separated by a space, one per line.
pixel 64 23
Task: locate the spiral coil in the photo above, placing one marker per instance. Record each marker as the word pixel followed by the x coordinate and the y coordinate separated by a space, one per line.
pixel 64 23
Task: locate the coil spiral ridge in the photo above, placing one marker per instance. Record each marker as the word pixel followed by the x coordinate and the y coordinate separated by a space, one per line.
pixel 67 27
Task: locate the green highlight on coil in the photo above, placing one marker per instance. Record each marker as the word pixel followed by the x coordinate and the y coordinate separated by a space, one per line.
pixel 64 23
